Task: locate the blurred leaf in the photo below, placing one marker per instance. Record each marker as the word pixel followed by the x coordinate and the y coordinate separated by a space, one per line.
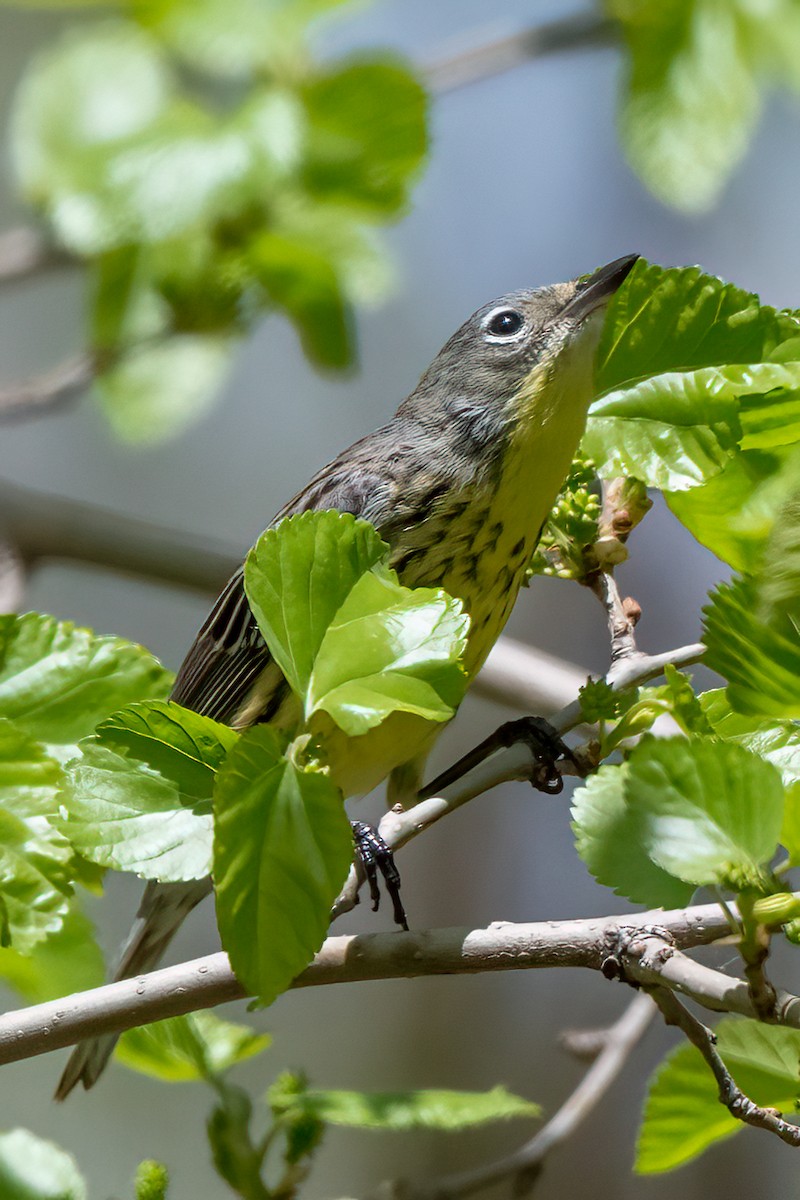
pixel 155 391
pixel 189 1048
pixel 68 960
pixel 98 85
pixel 427 1108
pixel 298 575
pixel 683 1115
pixel 303 282
pixel 390 649
pixel 610 838
pixel 58 681
pixel 152 1180
pixel 760 662
pixel 33 1169
pixel 710 812
pixel 121 813
pixel 282 849
pixel 367 134
pixel 691 100
pixel 235 37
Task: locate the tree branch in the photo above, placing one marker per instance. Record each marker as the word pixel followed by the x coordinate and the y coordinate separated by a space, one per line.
pixel 524 1165
pixel 583 31
pixel 591 943
pixel 740 1106
pixel 42 393
pixel 25 251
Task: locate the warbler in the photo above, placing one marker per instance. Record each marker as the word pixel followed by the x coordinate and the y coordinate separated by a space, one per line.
pixel 459 484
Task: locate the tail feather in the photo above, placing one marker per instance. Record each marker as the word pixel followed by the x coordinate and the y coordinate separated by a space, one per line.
pixel 163 909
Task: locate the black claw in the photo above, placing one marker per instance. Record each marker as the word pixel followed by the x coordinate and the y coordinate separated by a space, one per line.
pixel 376 858
pixel 547 747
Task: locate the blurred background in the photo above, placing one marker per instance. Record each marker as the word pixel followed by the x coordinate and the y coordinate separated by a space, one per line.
pixel 525 184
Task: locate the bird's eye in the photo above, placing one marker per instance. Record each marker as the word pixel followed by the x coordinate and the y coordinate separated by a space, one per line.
pixel 505 322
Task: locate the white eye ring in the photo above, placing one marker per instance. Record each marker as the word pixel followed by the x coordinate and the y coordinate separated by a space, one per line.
pixel 504 324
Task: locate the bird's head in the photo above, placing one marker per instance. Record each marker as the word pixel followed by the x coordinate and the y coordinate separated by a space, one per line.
pixel 521 356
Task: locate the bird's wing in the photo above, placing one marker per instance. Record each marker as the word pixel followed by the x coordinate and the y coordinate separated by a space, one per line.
pixel 226 658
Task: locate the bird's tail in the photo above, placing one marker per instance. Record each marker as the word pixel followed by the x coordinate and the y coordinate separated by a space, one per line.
pixel 163 909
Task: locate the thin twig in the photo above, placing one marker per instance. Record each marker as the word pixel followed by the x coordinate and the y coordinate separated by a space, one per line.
pixel 26 251
pixel 590 943
pixel 620 624
pixel 524 1165
pixel 43 393
pixel 579 32
pixel 740 1106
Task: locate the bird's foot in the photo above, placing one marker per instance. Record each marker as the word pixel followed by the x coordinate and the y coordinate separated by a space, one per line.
pixel 548 750
pixel 377 860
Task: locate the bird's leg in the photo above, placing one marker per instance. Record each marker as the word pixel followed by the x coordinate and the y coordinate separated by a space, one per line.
pixel 376 857
pixel 546 758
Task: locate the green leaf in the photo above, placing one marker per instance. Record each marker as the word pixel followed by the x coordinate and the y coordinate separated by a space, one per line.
pixel 683 1115
pixel 152 1180
pixel 678 319
pixel 69 960
pixel 33 1169
pixel 183 746
pixel 732 514
pixel 58 681
pixel 199 1046
pixel 35 858
pixel 610 838
pixel 760 661
pixel 298 278
pixel 777 742
pixel 282 849
pixel 155 391
pixel 673 431
pixel 388 649
pixel 121 813
pixel 296 577
pixel 439 1109
pixel 367 134
pixel 709 811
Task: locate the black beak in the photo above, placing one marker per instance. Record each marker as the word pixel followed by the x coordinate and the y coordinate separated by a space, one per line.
pixel 599 287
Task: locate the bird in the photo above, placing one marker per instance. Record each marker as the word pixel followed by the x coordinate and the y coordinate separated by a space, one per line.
pixel 459 484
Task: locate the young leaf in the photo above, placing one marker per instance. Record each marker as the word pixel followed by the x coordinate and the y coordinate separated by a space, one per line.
pixel 683 1115
pixel 33 1169
pixel 710 812
pixel 121 813
pixel 610 838
pixel 282 849
pixel 152 1180
pixel 185 1049
pixel 58 681
pixel 390 648
pixel 296 577
pixel 422 1109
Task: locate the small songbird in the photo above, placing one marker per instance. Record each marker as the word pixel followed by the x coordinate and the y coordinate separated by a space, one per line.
pixel 459 484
